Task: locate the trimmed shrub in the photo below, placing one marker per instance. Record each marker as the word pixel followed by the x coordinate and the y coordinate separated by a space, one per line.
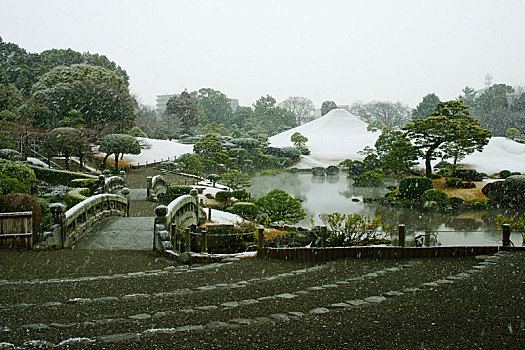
pixel 437 196
pixel 290 152
pixel 414 186
pixel 223 196
pixel 21 172
pixel 241 195
pixel 14 202
pixel 371 178
pixel 504 174
pixel 453 182
pixel 58 177
pixel 245 209
pixel 305 151
pixel 11 185
pixel 173 192
pixel 318 171
pixel 85 183
pixel 332 170
pixel 76 195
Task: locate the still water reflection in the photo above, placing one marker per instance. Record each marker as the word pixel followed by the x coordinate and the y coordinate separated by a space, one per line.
pixel 331 194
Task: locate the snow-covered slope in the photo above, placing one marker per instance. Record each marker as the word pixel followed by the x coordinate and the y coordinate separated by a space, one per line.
pixel 331 139
pixel 159 149
pixel 500 153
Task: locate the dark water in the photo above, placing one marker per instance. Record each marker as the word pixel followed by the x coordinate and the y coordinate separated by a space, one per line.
pixel 321 195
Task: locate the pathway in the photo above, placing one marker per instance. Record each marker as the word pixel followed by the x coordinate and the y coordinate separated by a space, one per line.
pixel 382 304
pixel 134 233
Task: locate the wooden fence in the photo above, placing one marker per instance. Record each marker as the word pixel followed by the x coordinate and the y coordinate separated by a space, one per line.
pixel 16 229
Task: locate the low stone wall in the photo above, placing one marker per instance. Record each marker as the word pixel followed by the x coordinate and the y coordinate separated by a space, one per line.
pixel 326 254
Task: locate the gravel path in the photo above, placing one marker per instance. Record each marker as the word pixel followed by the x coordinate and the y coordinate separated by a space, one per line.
pixel 126 300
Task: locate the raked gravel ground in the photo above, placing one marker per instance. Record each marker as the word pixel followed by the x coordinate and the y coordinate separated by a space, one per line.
pixel 85 299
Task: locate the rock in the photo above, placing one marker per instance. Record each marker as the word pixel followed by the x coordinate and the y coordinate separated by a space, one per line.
pixel 508 191
pixel 319 310
pixel 140 316
pixel 114 338
pixel 467 174
pixel 286 296
pixel 375 299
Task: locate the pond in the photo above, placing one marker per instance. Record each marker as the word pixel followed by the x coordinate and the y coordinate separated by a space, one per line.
pixel 331 194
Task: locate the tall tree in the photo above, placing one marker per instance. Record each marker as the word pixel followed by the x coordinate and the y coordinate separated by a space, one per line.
pixel 184 108
pixel 66 142
pixel 99 94
pixel 301 107
pixel 426 107
pixel 469 97
pixel 395 152
pixel 242 116
pixel 453 128
pixel 271 117
pixel 210 152
pixel 327 106
pixel 216 106
pixel 394 115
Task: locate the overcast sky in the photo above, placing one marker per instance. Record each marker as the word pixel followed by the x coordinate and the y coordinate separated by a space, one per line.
pixel 344 51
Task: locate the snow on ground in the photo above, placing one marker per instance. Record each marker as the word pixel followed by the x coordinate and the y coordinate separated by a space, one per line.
pixel 159 150
pixel 37 161
pixel 222 217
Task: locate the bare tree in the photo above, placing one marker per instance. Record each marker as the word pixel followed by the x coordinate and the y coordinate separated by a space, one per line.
pixel 301 107
pixel 394 115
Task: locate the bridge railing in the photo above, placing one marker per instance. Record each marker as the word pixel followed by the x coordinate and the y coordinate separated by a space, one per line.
pixel 114 182
pixel 71 225
pixel 181 213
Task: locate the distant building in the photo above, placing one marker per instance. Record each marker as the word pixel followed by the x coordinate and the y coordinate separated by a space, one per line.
pixel 161 102
pixel 163 99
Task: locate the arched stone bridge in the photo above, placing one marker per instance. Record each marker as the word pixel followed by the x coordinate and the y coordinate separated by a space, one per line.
pixel 172 220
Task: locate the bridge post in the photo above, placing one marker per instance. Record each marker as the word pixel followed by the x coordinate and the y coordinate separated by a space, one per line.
pixel 57 210
pixel 204 242
pixel 125 192
pixel 506 235
pixel 260 237
pixel 160 220
pixel 149 185
pixel 401 235
pixel 187 240
pixel 101 184
pixel 323 236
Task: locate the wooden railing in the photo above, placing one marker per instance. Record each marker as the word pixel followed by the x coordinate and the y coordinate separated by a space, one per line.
pixel 16 229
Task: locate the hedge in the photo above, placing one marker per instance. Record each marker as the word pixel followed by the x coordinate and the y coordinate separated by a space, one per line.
pixel 58 177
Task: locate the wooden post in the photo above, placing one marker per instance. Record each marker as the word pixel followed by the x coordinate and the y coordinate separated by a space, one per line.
pixel 187 240
pixel 204 242
pixel 323 236
pixel 506 235
pixel 209 213
pixel 401 235
pixel 260 237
